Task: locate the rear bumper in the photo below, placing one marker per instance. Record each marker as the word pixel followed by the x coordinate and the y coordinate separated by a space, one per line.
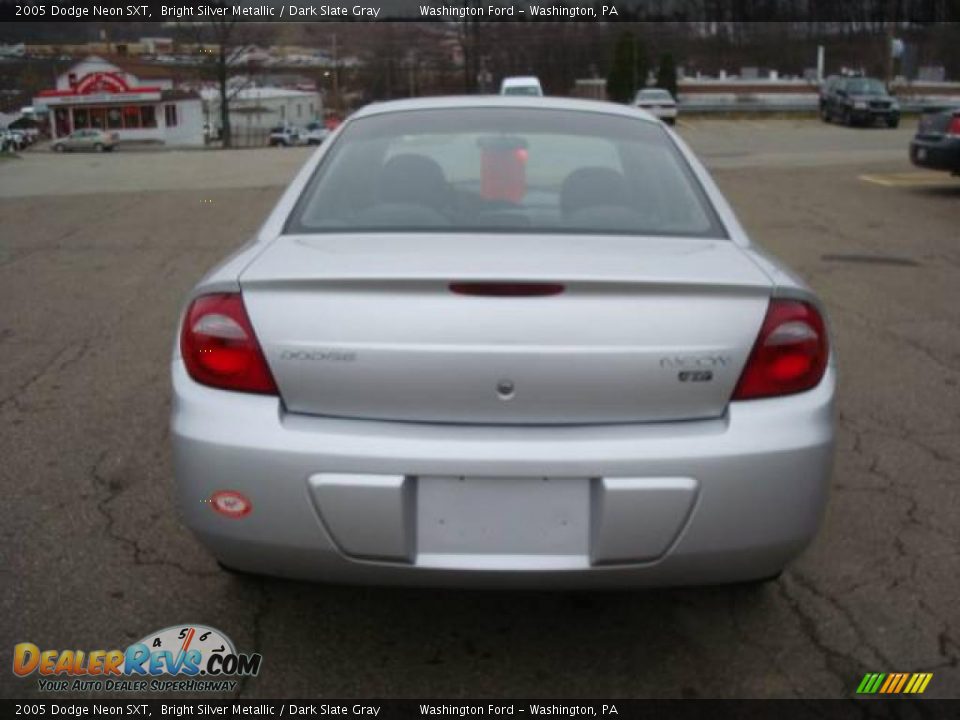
pixel 354 501
pixel 663 113
pixel 942 154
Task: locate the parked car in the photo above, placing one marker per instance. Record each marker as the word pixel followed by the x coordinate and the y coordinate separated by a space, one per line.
pixel 858 101
pixel 284 136
pixel 96 140
pixel 12 141
pixel 937 142
pixel 526 85
pixel 658 102
pixel 432 366
pixel 315 134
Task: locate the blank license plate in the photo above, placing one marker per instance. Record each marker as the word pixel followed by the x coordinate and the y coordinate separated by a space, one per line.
pixel 503 516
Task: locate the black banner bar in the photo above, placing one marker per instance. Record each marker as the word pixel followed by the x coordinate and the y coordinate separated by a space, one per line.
pixel 504 709
pixel 160 11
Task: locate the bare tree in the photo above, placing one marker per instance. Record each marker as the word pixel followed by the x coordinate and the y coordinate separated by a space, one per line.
pixel 230 40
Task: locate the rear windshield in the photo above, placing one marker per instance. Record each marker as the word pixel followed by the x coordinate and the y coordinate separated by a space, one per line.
pixel 505 170
pixel 522 90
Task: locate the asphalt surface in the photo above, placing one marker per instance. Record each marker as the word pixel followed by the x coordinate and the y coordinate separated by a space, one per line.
pixel 96 253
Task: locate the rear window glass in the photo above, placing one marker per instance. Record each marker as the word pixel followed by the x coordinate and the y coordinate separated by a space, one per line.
pixel 505 170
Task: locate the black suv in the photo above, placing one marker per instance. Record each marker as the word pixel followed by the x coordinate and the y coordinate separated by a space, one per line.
pixel 858 101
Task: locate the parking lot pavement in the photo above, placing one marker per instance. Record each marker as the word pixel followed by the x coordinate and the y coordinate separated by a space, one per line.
pixel 93 555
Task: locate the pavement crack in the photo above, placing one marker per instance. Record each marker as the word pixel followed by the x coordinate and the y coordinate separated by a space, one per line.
pixel 139 554
pixel 840 664
pixel 61 360
pixel 260 612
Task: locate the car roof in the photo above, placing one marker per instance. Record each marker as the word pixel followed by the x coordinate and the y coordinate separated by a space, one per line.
pixel 521 80
pixel 466 102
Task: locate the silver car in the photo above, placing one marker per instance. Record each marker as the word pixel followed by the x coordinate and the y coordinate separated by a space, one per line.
pixel 658 102
pixel 497 341
pixel 92 139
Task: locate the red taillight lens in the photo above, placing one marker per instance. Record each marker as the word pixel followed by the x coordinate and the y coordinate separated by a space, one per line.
pixel 220 348
pixel 954 128
pixel 790 354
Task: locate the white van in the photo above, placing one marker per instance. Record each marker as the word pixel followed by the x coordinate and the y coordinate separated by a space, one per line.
pixel 527 85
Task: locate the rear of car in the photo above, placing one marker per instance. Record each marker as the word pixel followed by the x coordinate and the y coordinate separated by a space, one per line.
pixel 936 144
pixel 484 344
pixel 659 103
pixel 527 86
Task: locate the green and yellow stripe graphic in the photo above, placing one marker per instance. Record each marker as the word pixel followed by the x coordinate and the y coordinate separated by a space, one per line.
pixel 894 683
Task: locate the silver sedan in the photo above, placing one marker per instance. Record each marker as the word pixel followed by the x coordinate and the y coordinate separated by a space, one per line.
pixel 497 341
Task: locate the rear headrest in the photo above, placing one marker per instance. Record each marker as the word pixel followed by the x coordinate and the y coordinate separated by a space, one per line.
pixel 593 187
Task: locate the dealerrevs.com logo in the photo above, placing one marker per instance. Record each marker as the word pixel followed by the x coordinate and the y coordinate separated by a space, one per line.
pixel 186 658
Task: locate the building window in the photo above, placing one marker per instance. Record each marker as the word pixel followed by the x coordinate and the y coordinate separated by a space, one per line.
pixel 97 118
pixel 299 110
pixel 283 112
pixel 170 115
pixel 114 118
pixel 81 118
pixel 61 117
pixel 148 116
pixel 131 116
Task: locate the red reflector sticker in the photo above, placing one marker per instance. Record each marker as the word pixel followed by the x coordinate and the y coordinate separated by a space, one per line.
pixel 231 504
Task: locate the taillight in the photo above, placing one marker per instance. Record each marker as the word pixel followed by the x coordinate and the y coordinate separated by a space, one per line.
pixel 790 354
pixel 954 128
pixel 220 348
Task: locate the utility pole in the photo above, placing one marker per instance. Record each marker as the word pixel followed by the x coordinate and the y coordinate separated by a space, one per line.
pixel 336 76
pixel 888 42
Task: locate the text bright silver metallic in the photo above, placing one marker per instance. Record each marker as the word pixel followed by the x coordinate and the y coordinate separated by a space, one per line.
pixel 432 439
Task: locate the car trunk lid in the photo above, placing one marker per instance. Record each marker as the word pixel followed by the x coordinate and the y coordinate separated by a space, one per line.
pixel 934 123
pixel 631 329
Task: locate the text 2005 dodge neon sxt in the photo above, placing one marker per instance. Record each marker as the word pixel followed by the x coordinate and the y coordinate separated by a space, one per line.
pixel 503 341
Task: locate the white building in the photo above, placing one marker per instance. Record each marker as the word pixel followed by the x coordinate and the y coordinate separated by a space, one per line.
pixel 97 94
pixel 260 108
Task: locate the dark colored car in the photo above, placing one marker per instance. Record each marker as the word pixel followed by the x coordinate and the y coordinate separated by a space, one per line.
pixel 858 101
pixel 937 142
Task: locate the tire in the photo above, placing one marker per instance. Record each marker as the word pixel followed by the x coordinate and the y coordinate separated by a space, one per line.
pixel 893 123
pixel 98 147
pixel 825 114
pixel 846 118
pixel 59 148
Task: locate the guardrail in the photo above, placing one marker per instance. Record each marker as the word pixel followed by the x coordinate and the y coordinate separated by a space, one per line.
pixel 786 103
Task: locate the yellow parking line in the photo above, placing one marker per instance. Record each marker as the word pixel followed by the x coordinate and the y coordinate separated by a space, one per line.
pixel 908 179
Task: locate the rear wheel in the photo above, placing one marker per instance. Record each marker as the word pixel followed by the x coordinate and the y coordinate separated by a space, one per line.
pixel 58 148
pixel 98 147
pixel 893 122
pixel 824 114
pixel 847 117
